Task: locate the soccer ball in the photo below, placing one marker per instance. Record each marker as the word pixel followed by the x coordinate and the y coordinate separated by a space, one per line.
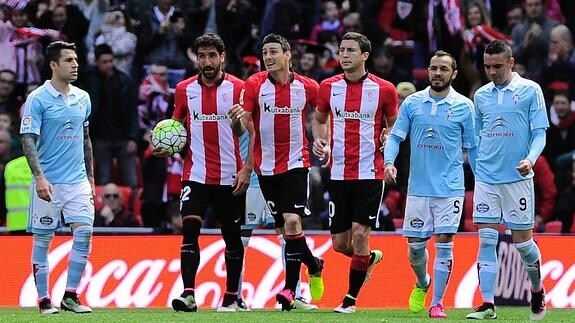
pixel 169 135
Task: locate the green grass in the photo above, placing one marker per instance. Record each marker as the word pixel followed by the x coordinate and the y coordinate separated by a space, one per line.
pixel 507 314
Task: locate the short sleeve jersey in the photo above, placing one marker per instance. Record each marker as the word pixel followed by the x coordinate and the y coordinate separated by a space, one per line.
pixel 279 115
pixel 59 121
pixel 357 112
pixel 213 155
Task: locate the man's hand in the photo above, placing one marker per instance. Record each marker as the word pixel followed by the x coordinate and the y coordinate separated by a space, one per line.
pixel 160 152
pixel 242 181
pixel 383 138
pixel 236 112
pixel 107 213
pixel 321 149
pixel 524 167
pixel 390 174
pixel 44 189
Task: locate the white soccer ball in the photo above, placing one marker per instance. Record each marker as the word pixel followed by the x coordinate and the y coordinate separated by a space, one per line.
pixel 169 135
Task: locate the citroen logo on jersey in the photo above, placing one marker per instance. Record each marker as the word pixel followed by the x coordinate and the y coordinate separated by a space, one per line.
pixel 499 128
pixel 342 114
pixel 200 117
pixel 430 140
pixel 499 122
pixel 68 125
pixel 281 110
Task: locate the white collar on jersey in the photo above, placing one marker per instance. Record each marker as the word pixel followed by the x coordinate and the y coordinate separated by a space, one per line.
pixel 511 86
pixel 52 90
pixel 449 99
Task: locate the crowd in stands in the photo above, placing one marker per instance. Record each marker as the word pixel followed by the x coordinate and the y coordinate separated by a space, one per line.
pixel 132 54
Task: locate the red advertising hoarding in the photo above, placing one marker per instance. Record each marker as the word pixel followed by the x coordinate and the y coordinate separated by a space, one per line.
pixel 144 271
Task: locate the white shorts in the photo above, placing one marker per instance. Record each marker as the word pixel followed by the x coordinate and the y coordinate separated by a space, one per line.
pixel 511 204
pixel 257 211
pixel 71 203
pixel 426 216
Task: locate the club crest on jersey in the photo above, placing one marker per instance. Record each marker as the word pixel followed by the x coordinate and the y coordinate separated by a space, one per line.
pixel 370 94
pixel 298 93
pixel 516 98
pixel 225 97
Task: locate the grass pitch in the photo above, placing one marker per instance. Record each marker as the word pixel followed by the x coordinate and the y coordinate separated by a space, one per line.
pixel 506 314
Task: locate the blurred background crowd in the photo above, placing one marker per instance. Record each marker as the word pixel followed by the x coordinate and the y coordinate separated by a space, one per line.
pixel 132 54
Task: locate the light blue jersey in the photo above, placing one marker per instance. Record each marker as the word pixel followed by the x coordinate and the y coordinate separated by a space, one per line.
pixel 59 122
pixel 438 130
pixel 506 118
pixel 244 146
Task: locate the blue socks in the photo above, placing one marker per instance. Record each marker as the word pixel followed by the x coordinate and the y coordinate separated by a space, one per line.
pixel 78 256
pixel 531 260
pixel 487 263
pixel 41 244
pixel 418 255
pixel 441 270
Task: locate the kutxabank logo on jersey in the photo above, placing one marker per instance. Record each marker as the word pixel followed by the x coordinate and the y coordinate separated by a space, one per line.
pixel 499 128
pixel 200 117
pixel 430 140
pixel 342 114
pixel 281 110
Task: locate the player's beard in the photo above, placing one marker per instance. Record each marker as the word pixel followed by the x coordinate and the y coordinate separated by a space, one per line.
pixel 213 72
pixel 439 88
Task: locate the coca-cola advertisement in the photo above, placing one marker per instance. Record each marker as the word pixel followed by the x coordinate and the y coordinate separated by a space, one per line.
pixel 144 271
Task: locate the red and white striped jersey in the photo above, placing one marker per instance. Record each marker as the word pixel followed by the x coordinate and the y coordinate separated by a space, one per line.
pixel 278 112
pixel 357 112
pixel 213 156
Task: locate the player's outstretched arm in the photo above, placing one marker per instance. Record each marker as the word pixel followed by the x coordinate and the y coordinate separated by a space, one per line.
pixel 89 159
pixel 43 187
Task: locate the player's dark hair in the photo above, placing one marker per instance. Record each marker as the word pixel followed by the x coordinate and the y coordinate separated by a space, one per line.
pixel 362 41
pixel 102 49
pixel 209 40
pixel 275 38
pixel 54 50
pixel 441 53
pixel 498 47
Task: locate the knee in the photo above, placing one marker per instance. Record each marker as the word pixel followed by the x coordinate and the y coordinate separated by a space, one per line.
pixel 233 240
pixel 43 240
pixel 292 221
pixel 488 237
pixel 340 246
pixel 191 229
pixel 360 236
pixel 83 233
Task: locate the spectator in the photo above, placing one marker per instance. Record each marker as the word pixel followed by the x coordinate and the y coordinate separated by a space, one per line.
pixel 15 194
pixel 561 58
pixel 330 21
pixel 21 49
pixel 384 66
pixel 515 16
pixel 477 34
pixel 561 132
pixel 352 23
pixel 545 192
pixel 233 25
pixel 93 11
pixel 114 33
pixel 67 19
pixel 161 37
pixel 113 213
pixel 6 123
pixel 250 66
pixel 9 102
pixel 531 38
pixel 114 119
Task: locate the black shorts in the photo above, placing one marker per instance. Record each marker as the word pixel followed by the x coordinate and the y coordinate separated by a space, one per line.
pixel 229 209
pixel 286 193
pixel 353 201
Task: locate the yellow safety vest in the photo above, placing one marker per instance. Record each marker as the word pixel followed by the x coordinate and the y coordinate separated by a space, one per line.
pixel 18 178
